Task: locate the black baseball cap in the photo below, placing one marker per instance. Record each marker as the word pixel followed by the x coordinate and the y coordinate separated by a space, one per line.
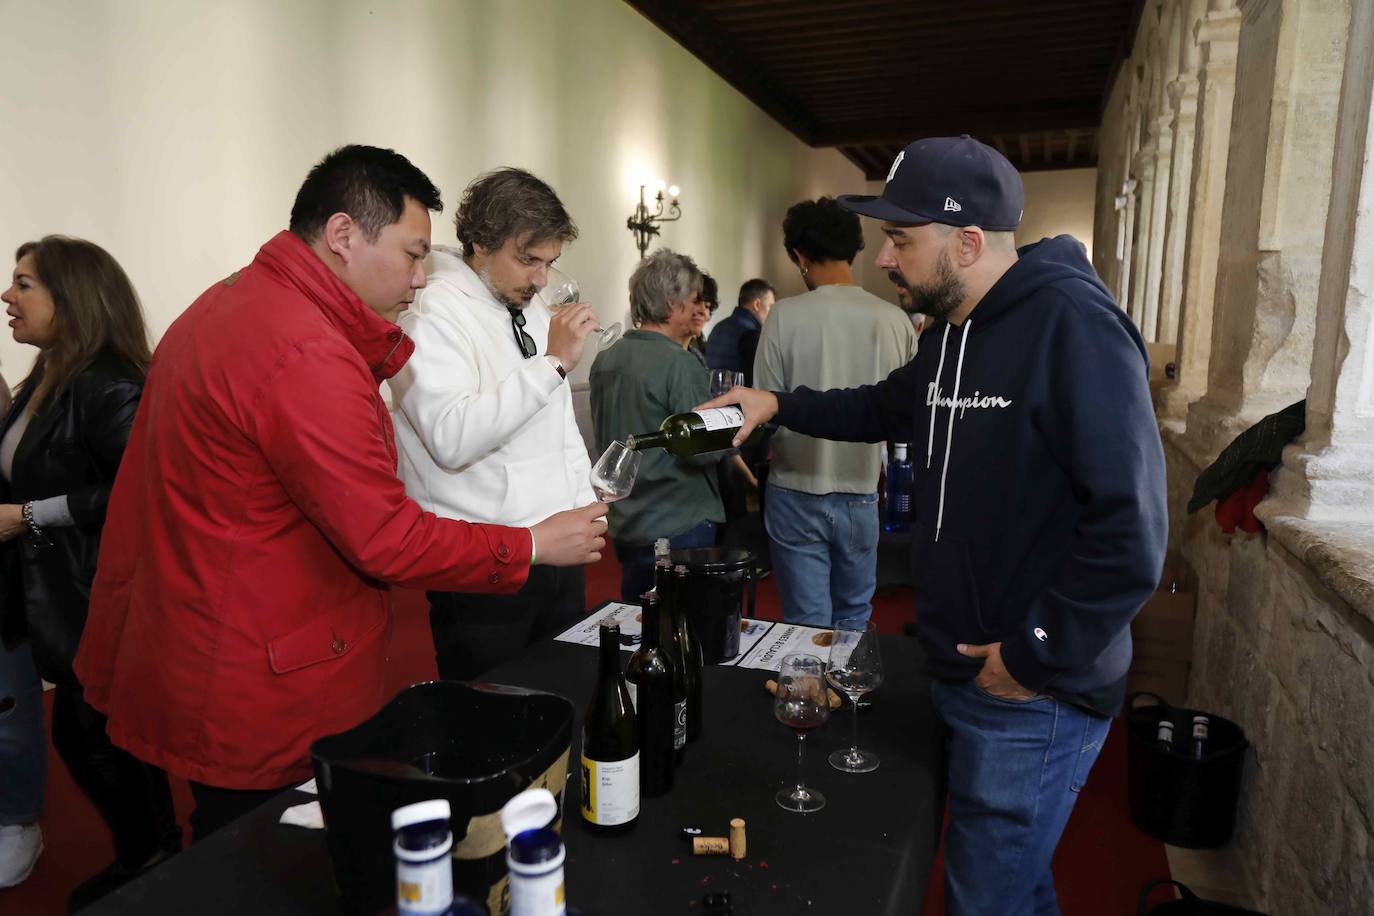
pixel 952 180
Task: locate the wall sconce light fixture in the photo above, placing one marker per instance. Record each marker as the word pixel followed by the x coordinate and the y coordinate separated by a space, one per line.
pixel 645 224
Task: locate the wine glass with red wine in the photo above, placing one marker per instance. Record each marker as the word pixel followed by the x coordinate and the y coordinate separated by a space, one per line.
pixel 801 704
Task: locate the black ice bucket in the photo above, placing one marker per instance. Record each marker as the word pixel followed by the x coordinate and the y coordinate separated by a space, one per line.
pixel 1175 797
pixel 476 746
pixel 716 580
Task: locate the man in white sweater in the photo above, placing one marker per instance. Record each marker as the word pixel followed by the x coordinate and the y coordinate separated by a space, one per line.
pixel 483 411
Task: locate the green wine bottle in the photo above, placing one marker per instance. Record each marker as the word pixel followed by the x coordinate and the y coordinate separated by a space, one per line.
pixel 696 432
pixel 610 746
pixel 691 651
pixel 671 642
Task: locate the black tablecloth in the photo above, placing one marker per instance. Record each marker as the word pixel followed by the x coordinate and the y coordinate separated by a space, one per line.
pixel 868 851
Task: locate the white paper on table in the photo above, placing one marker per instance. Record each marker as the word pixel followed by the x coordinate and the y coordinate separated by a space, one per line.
pixel 785 639
pixel 309 787
pixel 586 632
pixel 762 643
pixel 750 632
pixel 307 815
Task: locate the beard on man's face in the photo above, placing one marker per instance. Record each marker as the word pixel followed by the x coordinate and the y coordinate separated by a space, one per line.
pixel 518 298
pixel 937 298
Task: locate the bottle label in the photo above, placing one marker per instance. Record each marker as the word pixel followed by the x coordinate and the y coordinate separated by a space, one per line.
pixel 722 418
pixel 679 725
pixel 424 889
pixel 537 895
pixel 610 790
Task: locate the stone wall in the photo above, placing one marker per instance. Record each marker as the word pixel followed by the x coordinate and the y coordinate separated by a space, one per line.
pixel 1261 273
pixel 1280 653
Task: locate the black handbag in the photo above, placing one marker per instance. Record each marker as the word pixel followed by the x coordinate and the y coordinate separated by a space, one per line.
pixel 1189 904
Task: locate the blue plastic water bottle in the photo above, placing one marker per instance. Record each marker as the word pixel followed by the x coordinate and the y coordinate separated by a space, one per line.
pixel 899 480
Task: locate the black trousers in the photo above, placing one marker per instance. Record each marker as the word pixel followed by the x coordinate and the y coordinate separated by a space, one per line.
pixel 133 797
pixel 474 633
pixel 216 807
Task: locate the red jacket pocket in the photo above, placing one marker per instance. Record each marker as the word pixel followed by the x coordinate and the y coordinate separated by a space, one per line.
pixel 323 639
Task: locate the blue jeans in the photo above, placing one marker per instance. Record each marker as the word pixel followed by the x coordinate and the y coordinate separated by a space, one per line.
pixel 637 562
pixel 825 554
pixel 23 744
pixel 1015 770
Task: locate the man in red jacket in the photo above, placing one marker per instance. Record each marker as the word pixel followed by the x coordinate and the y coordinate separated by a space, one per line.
pixel 242 609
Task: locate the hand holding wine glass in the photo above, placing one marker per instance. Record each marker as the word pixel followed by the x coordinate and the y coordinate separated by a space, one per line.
pixel 801 704
pixel 574 537
pixel 856 667
pixel 613 476
pixel 562 290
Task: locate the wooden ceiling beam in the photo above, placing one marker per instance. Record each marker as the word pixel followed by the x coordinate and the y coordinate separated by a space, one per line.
pixel 900 130
pixel 883 35
pixel 721 54
pixel 900 14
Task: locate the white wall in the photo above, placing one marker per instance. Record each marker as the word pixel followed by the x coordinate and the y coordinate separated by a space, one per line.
pixel 176 132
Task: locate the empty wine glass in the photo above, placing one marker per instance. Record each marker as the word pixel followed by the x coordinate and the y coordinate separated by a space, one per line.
pixel 801 704
pixel 722 380
pixel 856 667
pixel 563 290
pixel 613 475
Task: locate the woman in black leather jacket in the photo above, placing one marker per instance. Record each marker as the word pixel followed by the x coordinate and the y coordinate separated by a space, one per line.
pixel 60 447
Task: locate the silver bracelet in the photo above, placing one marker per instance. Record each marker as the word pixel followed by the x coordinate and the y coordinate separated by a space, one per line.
pixel 40 537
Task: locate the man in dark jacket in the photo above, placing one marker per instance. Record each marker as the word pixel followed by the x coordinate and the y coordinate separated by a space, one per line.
pixel 1039 503
pixel 733 342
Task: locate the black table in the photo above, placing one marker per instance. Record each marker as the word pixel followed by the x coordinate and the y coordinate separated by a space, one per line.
pixel 868 851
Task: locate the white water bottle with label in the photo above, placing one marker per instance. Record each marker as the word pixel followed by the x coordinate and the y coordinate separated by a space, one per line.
pixel 696 432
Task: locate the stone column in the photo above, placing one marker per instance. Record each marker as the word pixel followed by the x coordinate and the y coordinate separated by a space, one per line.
pixel 1329 475
pixel 1288 73
pixel 1143 169
pixel 1217 36
pixel 1154 258
pixel 1183 97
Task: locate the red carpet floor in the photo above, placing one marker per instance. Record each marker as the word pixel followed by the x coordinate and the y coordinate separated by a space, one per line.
pixel 1101 864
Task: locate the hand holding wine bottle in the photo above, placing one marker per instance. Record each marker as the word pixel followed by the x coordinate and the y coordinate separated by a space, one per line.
pixel 758 407
pixel 571 538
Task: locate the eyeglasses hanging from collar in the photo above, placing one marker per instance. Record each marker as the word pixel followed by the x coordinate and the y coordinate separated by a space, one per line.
pixel 523 340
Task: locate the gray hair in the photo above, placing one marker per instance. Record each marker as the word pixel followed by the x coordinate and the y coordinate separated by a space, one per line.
pixel 661 280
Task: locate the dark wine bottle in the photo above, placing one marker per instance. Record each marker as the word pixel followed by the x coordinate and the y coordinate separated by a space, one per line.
pixel 696 432
pixel 671 639
pixel 610 746
pixel 691 652
pixel 652 675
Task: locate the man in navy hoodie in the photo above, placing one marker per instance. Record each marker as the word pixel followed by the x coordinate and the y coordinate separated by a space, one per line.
pixel 1039 515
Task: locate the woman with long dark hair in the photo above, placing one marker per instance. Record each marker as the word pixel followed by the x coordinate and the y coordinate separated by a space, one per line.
pixel 60 447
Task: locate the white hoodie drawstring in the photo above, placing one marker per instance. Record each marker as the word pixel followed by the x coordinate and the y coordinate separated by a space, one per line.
pixel 953 409
pixel 939 370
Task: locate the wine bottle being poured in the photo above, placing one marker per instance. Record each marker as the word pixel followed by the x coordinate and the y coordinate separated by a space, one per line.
pixel 696 432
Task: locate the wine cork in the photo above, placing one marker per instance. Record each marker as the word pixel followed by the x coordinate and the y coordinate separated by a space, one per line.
pixel 710 846
pixel 737 846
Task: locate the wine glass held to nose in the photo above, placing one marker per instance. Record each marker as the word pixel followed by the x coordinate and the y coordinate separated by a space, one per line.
pixel 757 406
pixel 563 294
